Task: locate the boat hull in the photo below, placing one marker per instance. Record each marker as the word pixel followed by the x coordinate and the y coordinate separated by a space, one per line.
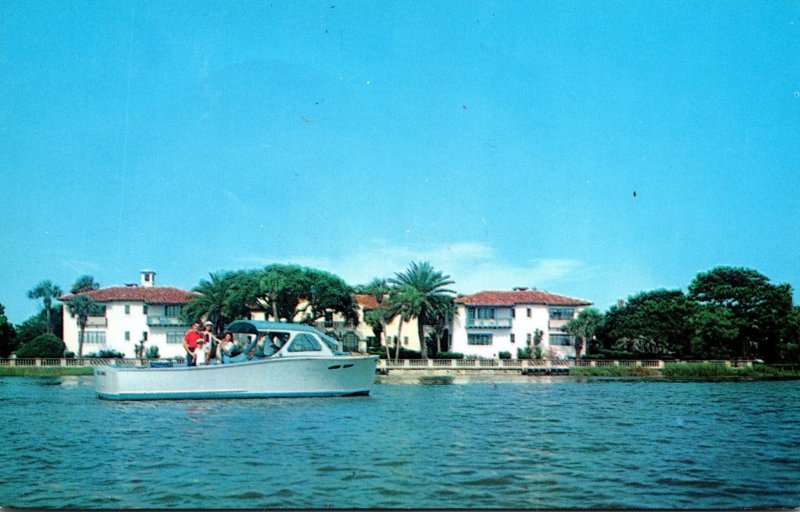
pixel 265 378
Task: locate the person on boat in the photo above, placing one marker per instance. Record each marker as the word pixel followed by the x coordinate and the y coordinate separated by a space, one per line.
pixel 226 347
pixel 240 355
pixel 190 343
pixel 200 353
pixel 211 342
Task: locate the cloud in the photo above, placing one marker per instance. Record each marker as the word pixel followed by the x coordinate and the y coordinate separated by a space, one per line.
pixel 472 265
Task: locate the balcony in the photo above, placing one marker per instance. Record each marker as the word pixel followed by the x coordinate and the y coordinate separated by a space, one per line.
pixel 165 321
pixel 489 323
pixel 557 324
pixel 96 321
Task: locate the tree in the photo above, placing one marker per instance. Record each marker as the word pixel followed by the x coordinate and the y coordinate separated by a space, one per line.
pixel 761 309
pixel 45 346
pixel 584 328
pixel 8 336
pixel 404 301
pixel 82 307
pixel 212 301
pixel 379 317
pixel 441 314
pixel 429 288
pixel 46 291
pixel 789 349
pixel 715 332
pixel 84 283
pixel 650 323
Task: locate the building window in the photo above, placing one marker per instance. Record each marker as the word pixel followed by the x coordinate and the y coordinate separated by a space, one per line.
pixel 529 338
pixel 173 311
pixel 480 313
pixel 144 309
pixel 174 337
pixel 513 339
pixel 127 309
pixel 560 340
pixel 98 337
pixel 479 339
pixel 529 312
pixel 513 313
pixel 127 335
pixel 144 335
pixel 561 313
pixel 405 340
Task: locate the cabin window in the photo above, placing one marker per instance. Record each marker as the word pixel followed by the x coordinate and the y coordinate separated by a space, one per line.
pixel 305 343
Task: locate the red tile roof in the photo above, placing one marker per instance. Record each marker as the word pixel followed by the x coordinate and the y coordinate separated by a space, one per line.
pixel 147 294
pixel 505 298
pixel 367 301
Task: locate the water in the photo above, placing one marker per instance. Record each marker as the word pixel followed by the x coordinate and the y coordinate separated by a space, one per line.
pixel 513 443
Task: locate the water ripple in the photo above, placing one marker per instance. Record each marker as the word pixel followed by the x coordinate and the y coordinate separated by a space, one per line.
pixel 524 443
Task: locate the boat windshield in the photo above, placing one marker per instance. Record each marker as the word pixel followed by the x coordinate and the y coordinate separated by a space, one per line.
pixel 334 345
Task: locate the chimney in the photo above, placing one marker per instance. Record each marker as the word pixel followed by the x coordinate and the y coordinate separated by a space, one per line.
pixel 148 278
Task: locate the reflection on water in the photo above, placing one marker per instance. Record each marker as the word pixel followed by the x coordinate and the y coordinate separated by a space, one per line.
pixel 440 442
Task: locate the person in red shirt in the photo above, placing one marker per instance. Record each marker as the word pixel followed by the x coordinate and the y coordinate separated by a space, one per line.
pixel 190 343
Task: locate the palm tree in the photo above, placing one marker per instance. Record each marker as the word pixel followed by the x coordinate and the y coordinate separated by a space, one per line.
pixel 82 307
pixel 211 301
pixel 47 291
pixel 583 327
pixel 444 309
pixel 429 285
pixel 403 301
pixel 85 283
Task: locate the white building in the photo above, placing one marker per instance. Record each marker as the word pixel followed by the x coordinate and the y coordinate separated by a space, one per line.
pixel 131 314
pixel 490 322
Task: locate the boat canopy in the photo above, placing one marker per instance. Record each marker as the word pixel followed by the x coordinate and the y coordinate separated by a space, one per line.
pixel 260 326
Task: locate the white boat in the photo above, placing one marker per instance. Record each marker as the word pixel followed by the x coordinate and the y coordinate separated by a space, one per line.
pixel 305 363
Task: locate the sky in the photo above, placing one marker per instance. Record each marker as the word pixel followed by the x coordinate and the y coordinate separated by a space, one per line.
pixel 593 149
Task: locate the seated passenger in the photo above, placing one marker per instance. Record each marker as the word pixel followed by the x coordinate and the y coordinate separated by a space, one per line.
pixel 226 347
pixel 244 354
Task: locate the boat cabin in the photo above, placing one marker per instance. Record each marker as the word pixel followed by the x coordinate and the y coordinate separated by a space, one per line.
pixel 280 339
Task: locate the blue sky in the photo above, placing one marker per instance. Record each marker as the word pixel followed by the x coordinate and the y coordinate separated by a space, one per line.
pixel 501 141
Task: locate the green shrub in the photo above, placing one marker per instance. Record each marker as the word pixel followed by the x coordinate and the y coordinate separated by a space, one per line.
pixel 448 355
pixel 504 355
pixel 613 371
pixel 698 371
pixel 152 352
pixel 44 345
pixel 106 353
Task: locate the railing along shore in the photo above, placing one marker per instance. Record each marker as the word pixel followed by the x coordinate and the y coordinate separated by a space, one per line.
pixel 534 365
pixel 411 365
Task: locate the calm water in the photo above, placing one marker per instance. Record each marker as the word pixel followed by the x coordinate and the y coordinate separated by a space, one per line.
pixel 517 443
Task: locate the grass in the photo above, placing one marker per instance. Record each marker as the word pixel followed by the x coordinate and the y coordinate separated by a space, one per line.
pixel 613 371
pixel 689 371
pixel 44 371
